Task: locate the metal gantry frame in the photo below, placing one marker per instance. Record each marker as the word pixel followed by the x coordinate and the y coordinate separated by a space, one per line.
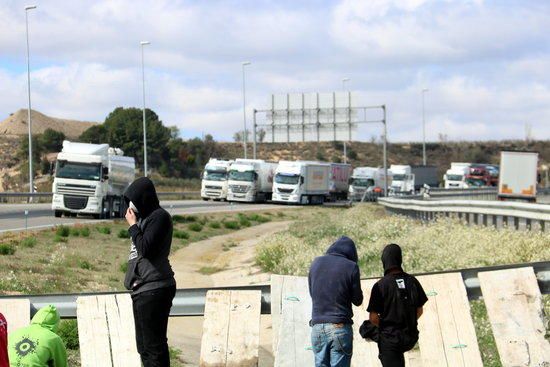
pixel 317 124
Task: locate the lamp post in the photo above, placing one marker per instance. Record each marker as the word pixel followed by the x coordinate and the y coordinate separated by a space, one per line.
pixel 244 63
pixel 344 80
pixel 423 129
pixel 144 43
pixel 29 122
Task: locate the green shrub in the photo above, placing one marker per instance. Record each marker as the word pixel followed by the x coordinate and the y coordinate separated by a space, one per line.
pixel 74 231
pixel 58 238
pixel 28 242
pixel 180 234
pixel 104 230
pixel 68 331
pixel 184 218
pixel 214 225
pixel 195 227
pixel 84 264
pixel 123 233
pixel 245 222
pixel 7 248
pixel 63 231
pixel 123 267
pixel 85 231
pixel 231 224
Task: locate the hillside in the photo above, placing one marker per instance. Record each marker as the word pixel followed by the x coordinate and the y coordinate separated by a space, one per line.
pixel 370 154
pixel 16 124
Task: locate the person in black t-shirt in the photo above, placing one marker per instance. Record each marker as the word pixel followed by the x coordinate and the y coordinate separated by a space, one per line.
pixel 395 305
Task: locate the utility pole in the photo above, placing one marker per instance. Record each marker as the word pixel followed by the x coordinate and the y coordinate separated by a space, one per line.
pixel 244 63
pixel 144 43
pixel 423 129
pixel 29 122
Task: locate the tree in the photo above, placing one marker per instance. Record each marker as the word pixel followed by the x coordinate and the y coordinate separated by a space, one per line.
pixel 238 136
pixel 95 134
pixel 261 135
pixel 52 140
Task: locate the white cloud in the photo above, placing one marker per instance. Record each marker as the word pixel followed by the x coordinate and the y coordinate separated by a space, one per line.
pixel 486 63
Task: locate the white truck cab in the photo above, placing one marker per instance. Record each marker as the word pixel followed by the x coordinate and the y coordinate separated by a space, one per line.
pixel 301 182
pixel 368 183
pixel 455 177
pixel 90 179
pixel 402 179
pixel 214 179
pixel 250 180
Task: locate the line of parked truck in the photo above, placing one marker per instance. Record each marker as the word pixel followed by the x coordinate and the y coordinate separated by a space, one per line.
pixel 91 179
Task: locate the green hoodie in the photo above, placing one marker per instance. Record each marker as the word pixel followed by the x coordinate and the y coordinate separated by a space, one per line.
pixel 38 345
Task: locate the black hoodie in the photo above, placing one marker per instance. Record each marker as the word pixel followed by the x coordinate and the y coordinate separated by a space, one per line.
pixel 334 284
pixel 148 265
pixel 395 298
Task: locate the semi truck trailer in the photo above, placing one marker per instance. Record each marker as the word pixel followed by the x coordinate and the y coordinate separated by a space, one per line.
pixel 518 176
pixel 250 180
pixel 410 178
pixel 339 180
pixel 302 182
pixel 90 179
pixel 214 179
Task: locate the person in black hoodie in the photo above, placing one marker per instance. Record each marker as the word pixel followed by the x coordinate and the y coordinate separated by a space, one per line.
pixel 334 284
pixel 395 305
pixel 149 275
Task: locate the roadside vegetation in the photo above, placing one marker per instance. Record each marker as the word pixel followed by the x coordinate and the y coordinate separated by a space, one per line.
pixel 427 247
pixel 93 257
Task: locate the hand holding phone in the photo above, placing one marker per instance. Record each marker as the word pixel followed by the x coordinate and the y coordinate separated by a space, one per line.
pixel 131 217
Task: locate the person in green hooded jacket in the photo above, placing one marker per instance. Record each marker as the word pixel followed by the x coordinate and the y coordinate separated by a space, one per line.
pixel 38 345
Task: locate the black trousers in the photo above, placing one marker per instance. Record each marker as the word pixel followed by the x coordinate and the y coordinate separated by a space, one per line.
pixel 151 311
pixel 389 353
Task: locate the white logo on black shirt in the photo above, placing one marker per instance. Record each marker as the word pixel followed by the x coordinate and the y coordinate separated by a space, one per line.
pixel 400 283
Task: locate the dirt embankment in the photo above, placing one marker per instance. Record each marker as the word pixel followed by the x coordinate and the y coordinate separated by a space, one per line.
pixel 226 260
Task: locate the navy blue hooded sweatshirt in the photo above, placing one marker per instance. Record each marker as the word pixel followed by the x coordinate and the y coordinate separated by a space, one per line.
pixel 334 284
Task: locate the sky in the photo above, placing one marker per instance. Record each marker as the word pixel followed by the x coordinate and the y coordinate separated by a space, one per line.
pixel 486 64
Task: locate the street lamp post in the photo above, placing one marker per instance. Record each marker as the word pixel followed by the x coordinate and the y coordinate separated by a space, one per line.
pixel 344 80
pixel 29 122
pixel 244 63
pixel 144 43
pixel 423 129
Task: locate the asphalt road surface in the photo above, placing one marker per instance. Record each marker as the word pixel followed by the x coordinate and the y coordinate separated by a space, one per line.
pixel 13 218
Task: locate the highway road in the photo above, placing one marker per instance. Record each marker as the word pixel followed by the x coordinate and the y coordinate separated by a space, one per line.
pixel 12 216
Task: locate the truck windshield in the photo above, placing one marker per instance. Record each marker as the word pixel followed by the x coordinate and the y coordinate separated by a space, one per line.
pixel 242 176
pixel 215 175
pixel 79 171
pixel 287 179
pixel 362 182
pixel 452 177
pixel 399 177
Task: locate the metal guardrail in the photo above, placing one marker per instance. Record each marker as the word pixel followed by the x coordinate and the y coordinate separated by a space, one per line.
pixel 514 214
pixel 191 302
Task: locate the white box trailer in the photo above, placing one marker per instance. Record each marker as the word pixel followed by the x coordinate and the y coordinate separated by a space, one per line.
pixel 339 180
pixel 250 180
pixel 301 182
pixel 518 175
pixel 214 179
pixel 90 179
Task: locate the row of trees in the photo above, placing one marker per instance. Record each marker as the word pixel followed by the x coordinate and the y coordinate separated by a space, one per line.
pixel 166 152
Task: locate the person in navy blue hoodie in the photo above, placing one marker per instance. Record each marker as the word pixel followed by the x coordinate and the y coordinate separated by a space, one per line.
pixel 334 284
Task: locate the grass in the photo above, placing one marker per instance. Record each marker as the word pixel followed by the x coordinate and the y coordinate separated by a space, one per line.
pixel 195 227
pixel 56 260
pixel 209 270
pixel 228 246
pixel 123 233
pixel 231 225
pixel 443 245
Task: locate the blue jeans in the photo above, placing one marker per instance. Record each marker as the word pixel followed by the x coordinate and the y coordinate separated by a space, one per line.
pixel 332 344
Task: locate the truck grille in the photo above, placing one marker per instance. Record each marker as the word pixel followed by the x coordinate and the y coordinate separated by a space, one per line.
pixel 212 187
pixel 75 202
pixel 285 191
pixel 70 189
pixel 239 189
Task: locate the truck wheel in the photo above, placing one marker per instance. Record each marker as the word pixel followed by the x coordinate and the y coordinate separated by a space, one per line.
pixel 58 213
pixel 205 199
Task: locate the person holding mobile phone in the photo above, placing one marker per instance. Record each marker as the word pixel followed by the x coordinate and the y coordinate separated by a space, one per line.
pixel 149 275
